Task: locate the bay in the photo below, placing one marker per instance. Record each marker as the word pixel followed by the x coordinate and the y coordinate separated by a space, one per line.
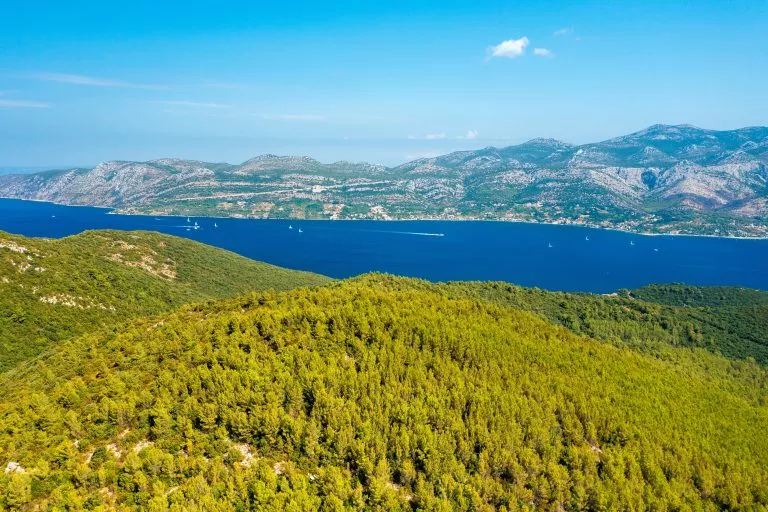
pixel 566 258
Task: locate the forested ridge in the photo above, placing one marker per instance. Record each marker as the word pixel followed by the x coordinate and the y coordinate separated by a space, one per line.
pixel 381 393
pixel 725 320
pixel 51 290
pixel 680 294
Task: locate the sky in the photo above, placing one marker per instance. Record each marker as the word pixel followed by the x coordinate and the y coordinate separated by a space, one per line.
pixel 384 82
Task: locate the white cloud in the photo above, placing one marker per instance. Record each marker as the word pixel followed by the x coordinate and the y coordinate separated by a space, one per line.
pixel 564 31
pixel 23 104
pixel 543 52
pixel 470 135
pixel 510 48
pixel 91 81
pixel 194 104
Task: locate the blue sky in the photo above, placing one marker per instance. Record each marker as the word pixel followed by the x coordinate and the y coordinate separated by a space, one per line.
pixel 82 82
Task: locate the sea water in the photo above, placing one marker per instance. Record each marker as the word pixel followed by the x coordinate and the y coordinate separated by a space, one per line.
pixel 545 256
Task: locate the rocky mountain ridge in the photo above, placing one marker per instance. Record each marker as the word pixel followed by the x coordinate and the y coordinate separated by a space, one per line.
pixel 671 179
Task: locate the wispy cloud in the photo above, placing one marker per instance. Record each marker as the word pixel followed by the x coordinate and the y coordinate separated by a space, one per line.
pixel 543 52
pixel 293 117
pixel 224 85
pixel 563 32
pixel 193 104
pixel 91 81
pixel 22 104
pixel 510 49
pixel 470 135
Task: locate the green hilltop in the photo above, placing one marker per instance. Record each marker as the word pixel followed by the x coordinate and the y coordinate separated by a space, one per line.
pixel 54 289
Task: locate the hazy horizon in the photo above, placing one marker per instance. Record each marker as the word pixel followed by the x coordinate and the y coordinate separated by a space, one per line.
pixel 324 151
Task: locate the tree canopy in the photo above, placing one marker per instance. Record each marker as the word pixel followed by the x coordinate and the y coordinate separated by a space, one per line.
pixel 379 393
pixel 51 290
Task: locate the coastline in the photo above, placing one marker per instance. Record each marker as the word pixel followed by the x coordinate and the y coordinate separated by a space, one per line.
pixel 116 211
pixel 432 219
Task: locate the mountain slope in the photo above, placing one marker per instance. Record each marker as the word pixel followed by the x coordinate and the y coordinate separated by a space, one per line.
pixel 662 179
pixel 725 320
pixel 372 394
pixel 54 289
pixel 700 296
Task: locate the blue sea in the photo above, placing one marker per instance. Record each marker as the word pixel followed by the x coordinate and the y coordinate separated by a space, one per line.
pixel 563 258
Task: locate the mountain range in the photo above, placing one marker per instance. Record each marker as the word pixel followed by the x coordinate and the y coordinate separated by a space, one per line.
pixel 663 179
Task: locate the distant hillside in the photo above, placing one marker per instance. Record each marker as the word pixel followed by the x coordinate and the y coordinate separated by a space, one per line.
pixel 377 393
pixel 671 179
pixel 725 320
pixel 55 289
pixel 700 296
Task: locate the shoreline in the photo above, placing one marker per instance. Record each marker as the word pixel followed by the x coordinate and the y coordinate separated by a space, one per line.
pixel 114 211
pixel 430 219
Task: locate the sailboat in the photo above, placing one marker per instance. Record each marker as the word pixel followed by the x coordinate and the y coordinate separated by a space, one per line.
pixel 631 242
pixel 300 231
pixel 290 227
pixel 215 225
pixel 187 219
pixel 549 245
pixel 586 238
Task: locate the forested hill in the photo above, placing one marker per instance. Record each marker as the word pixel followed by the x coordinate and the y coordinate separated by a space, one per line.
pixel 378 393
pixel 375 392
pixel 54 289
pixel 677 294
pixel 725 320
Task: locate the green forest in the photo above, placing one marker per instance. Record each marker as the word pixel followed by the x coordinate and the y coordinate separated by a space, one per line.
pixel 728 321
pixel 51 290
pixel 234 385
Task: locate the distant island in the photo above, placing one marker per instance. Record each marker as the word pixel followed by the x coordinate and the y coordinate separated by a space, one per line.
pixel 664 179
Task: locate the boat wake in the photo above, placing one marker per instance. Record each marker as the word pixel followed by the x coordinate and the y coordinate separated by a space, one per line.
pixel 414 233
